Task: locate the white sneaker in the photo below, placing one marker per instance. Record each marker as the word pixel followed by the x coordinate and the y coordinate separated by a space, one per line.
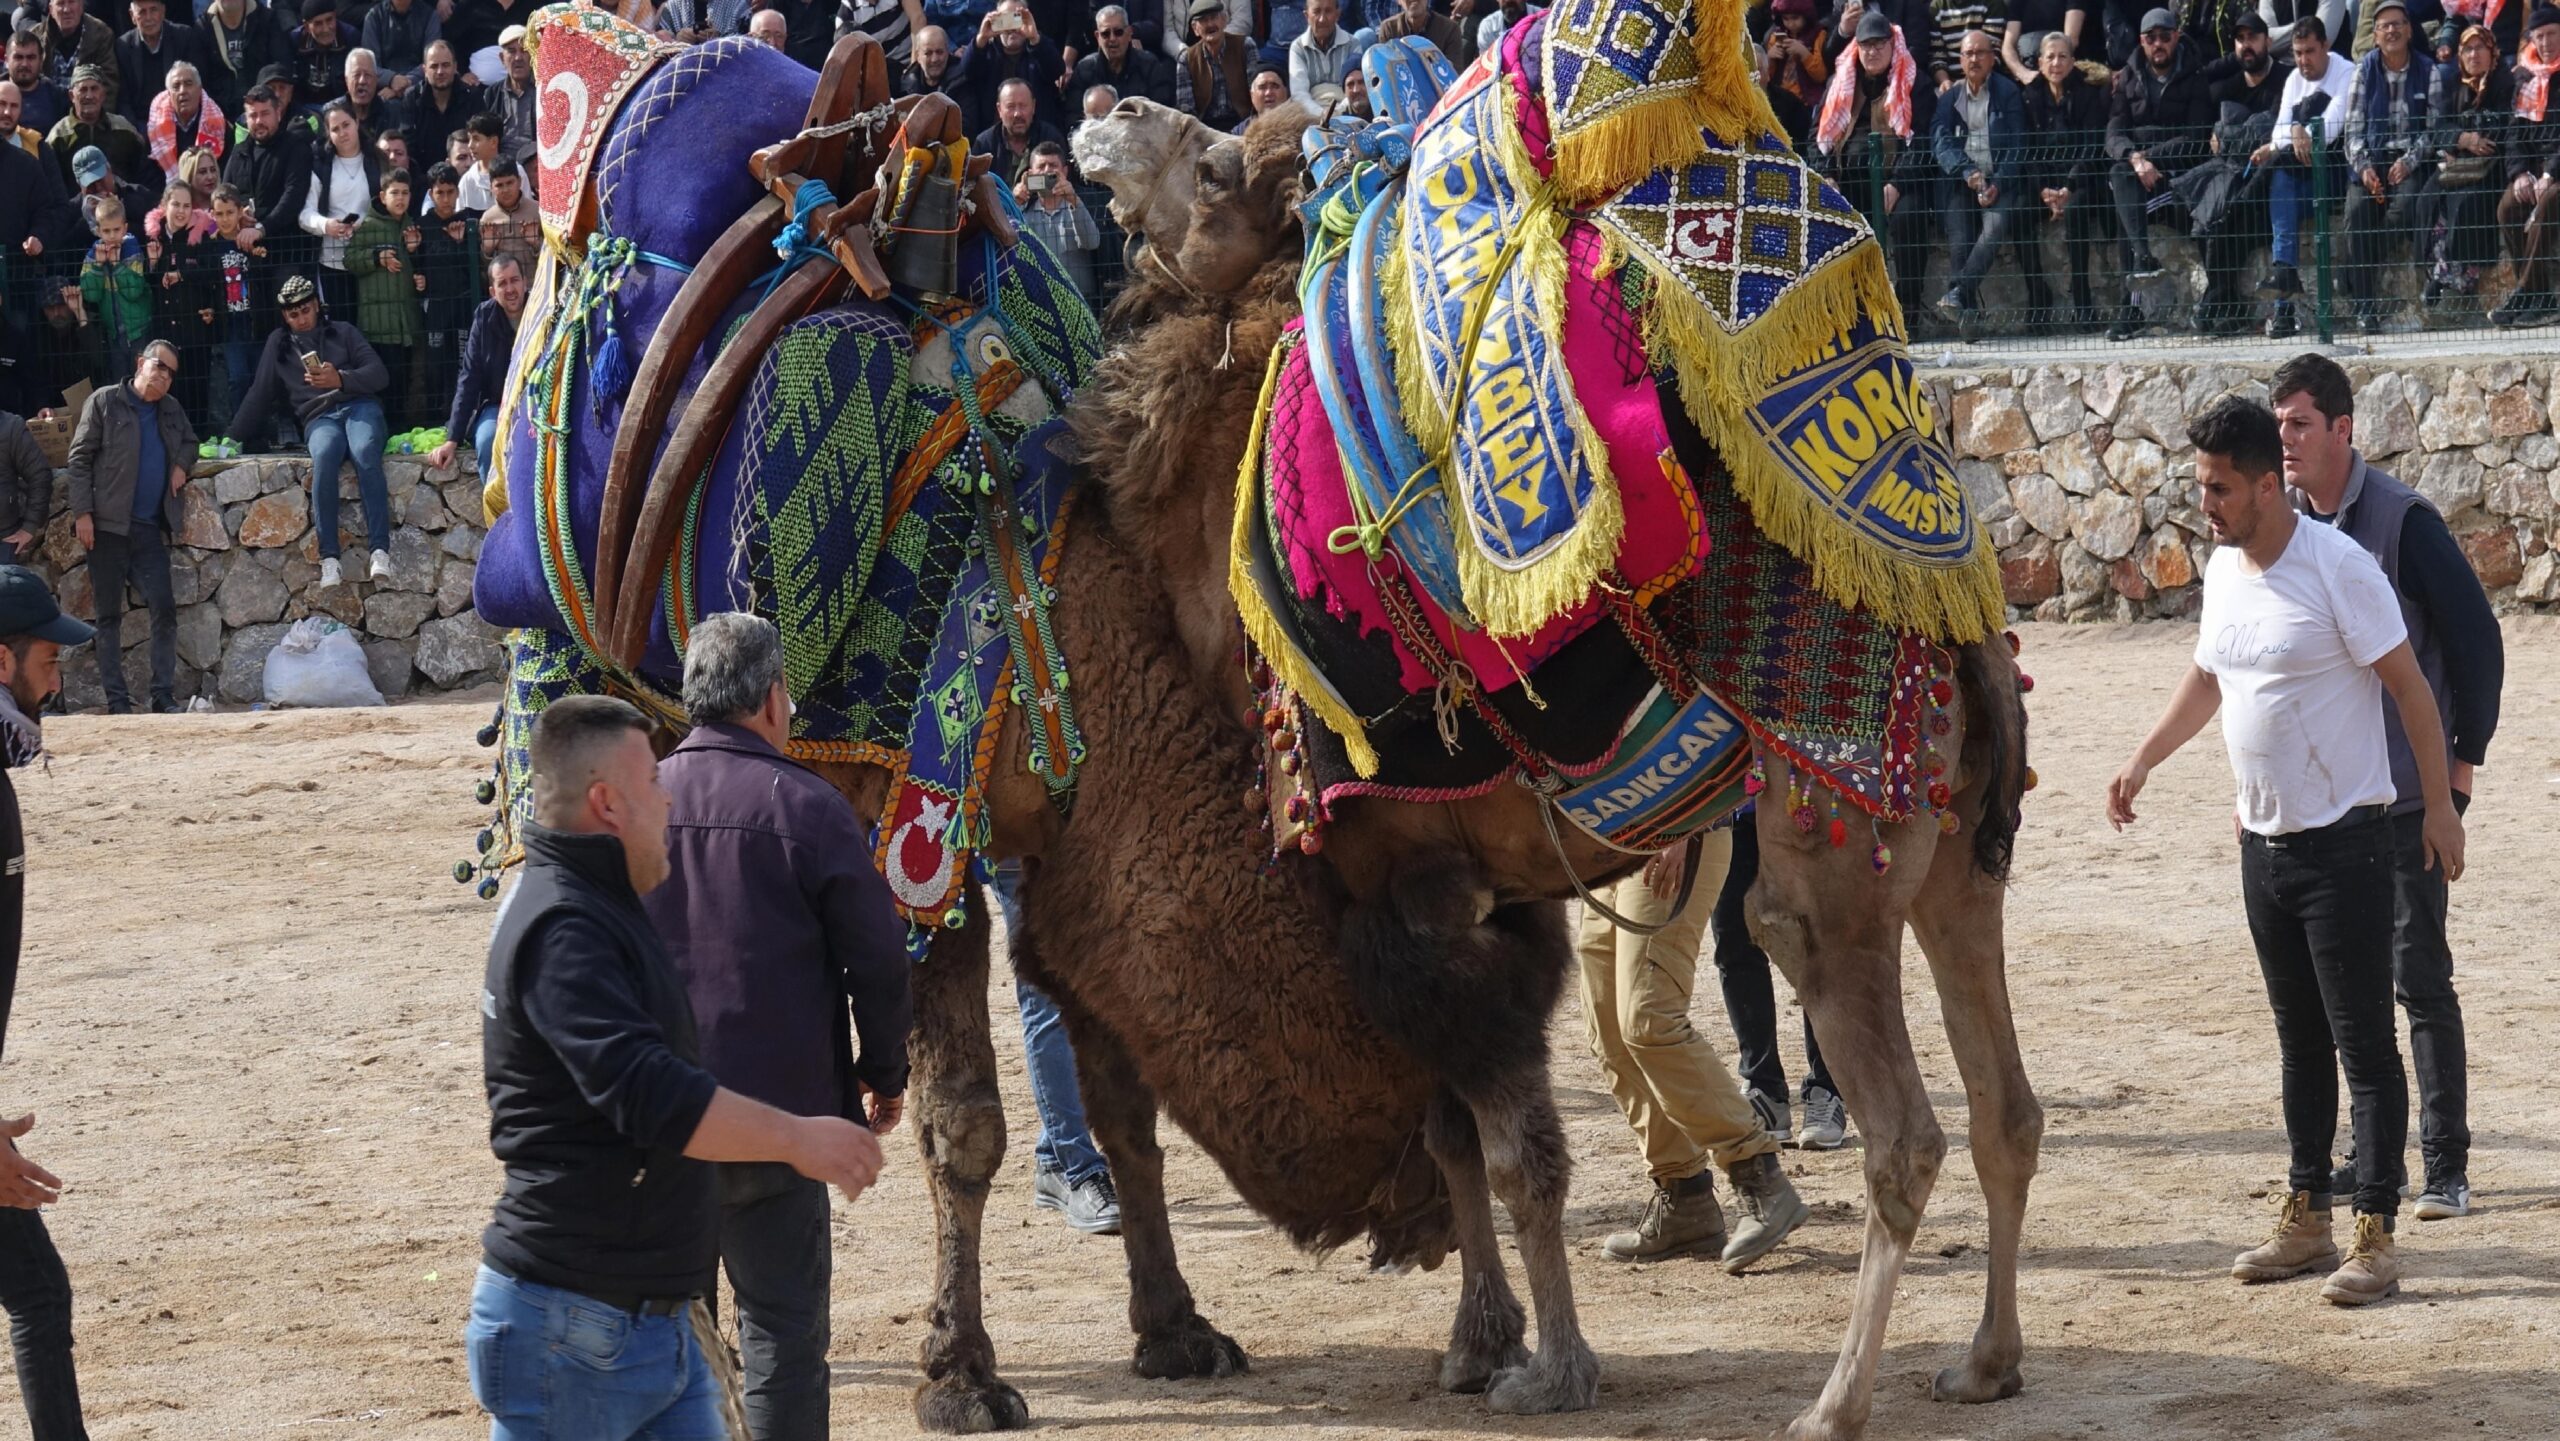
pixel 1774 1118
pixel 1826 1121
pixel 329 571
pixel 382 565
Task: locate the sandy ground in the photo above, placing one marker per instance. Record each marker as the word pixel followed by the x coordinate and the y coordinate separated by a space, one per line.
pixel 247 1026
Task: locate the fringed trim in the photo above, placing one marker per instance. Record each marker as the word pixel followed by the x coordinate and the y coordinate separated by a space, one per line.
pixel 1722 376
pixel 1615 151
pixel 1294 669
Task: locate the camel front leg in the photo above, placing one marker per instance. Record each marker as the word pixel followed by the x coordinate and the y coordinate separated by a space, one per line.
pixel 1835 928
pixel 1957 917
pixel 1487 1336
pixel 1525 1156
pixel 1174 1343
pixel 960 1129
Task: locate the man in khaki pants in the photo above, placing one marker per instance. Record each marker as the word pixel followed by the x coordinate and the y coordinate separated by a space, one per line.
pixel 1672 1086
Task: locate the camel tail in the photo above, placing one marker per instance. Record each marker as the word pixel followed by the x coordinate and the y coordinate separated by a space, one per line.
pixel 1996 720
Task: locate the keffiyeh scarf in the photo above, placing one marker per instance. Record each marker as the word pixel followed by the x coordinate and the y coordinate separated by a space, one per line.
pixel 168 147
pixel 2533 94
pixel 1840 102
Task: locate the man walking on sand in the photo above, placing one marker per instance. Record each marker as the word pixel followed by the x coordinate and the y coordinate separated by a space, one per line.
pixel 2301 638
pixel 609 1227
pixel 2455 637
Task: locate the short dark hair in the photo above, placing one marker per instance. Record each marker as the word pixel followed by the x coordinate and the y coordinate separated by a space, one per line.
pixel 396 176
pixel 505 168
pixel 2240 431
pixel 509 259
pixel 230 192
pixel 395 132
pixel 485 123
pixel 259 95
pixel 2317 376
pixel 1048 150
pixel 2313 26
pixel 569 739
pixel 442 173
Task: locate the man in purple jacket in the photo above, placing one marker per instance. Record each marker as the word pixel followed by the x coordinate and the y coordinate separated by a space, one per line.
pixel 789 948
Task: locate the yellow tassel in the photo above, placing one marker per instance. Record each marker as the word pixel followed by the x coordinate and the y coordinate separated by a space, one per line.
pixel 1619 149
pixel 1293 668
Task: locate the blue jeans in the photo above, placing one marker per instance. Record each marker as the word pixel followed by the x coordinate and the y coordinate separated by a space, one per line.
pixel 484 438
pixel 358 430
pixel 2289 194
pixel 1066 1142
pixel 552 1365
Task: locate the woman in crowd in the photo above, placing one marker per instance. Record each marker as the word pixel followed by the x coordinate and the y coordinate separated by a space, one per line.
pixel 343 180
pixel 2473 102
pixel 2066 168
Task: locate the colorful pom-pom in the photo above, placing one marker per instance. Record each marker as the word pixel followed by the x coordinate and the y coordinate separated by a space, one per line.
pixel 1839 833
pixel 1296 810
pixel 1882 858
pixel 2026 683
pixel 485 792
pixel 1947 823
pixel 463 871
pixel 489 889
pixel 1310 842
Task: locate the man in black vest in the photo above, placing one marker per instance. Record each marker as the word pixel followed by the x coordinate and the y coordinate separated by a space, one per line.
pixel 2459 652
pixel 608 1228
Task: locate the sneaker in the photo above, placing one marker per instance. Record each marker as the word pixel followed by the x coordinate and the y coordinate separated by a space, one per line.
pixel 2371 1270
pixel 1090 1205
pixel 1770 1209
pixel 329 574
pixel 2283 282
pixel 1774 1116
pixel 1682 1217
pixel 2445 1198
pixel 2300 1242
pixel 2143 266
pixel 1826 1121
pixel 165 704
pixel 2521 308
pixel 382 565
pixel 2281 324
pixel 2130 322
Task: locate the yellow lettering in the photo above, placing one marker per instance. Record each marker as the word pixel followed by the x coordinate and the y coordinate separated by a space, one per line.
pixel 1850 428
pixel 1892 498
pixel 1877 393
pixel 1813 449
pixel 1915 402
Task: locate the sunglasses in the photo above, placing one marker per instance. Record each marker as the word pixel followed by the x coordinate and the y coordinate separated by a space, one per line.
pixel 1111 34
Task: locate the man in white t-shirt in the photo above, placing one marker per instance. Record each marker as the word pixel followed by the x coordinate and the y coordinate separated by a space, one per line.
pixel 2302 636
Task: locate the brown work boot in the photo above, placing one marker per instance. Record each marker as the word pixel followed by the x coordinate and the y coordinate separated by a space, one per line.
pixel 1770 1209
pixel 2301 1242
pixel 1682 1217
pixel 2371 1270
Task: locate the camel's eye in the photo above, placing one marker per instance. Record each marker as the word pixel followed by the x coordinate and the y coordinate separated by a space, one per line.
pixel 986 348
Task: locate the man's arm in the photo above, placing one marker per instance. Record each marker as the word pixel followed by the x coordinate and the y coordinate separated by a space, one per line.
pixel 34 476
pixel 2197 697
pixel 466 392
pixel 827 1149
pixel 2435 574
pixel 368 375
pixel 2400 676
pixel 866 943
pixel 82 462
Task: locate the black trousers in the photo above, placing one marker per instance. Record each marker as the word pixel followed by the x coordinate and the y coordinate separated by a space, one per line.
pixel 2320 909
pixel 2372 226
pixel 1742 969
pixel 2422 976
pixel 37 1294
pixel 143 558
pixel 775 1246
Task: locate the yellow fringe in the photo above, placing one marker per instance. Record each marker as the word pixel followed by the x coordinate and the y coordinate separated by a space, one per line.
pixel 1721 376
pixel 1618 150
pixel 1294 669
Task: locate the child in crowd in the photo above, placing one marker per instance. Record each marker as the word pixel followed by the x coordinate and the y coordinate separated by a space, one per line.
pixel 184 263
pixel 240 258
pixel 512 225
pixel 382 256
pixel 449 258
pixel 114 294
pixel 482 133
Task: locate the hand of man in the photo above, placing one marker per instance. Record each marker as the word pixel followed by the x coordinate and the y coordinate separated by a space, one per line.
pixel 2121 791
pixel 1662 874
pixel 168 280
pixel 17 539
pixel 177 479
pixel 2521 187
pixel 324 376
pixel 2302 146
pixel 1892 196
pixel 2399 170
pixel 2443 836
pixel 441 456
pixel 839 1153
pixel 85 530
pixel 2262 154
pixel 1987 196
pixel 2545 188
pixel 24 1184
pixel 885 1111
pixel 2146 172
pixel 33 246
pixel 2371 180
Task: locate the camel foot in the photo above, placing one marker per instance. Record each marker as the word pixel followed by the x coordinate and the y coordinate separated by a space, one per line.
pixel 1972 1385
pixel 1188 1349
pixel 1818 1423
pixel 967 1406
pixel 1546 1385
pixel 1483 1345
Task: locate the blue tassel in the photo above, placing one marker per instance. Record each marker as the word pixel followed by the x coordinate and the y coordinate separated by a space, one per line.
pixel 612 368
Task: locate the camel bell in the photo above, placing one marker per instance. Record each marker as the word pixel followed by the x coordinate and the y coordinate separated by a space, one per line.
pixel 924 253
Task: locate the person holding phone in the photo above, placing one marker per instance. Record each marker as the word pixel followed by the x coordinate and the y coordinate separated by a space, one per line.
pixel 1052 210
pixel 344 175
pixel 333 378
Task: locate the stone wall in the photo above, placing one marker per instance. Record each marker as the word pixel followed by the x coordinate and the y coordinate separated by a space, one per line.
pixel 2085 479
pixel 245 565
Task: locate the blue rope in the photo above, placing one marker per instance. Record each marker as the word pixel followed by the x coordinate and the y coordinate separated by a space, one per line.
pixel 795 236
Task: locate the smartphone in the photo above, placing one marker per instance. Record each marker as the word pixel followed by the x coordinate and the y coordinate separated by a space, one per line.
pixel 310 362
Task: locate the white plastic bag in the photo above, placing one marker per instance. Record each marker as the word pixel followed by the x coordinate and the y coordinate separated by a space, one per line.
pixel 318 663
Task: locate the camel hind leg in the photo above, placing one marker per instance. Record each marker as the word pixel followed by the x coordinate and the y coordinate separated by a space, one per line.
pixel 1487 1335
pixel 1834 927
pixel 960 1129
pixel 1526 1158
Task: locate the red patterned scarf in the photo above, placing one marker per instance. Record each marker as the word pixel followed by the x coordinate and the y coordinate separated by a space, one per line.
pixel 1840 102
pixel 2533 93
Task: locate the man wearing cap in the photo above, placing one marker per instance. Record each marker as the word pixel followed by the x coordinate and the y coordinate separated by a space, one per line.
pixel 92 124
pixel 2157 124
pixel 26 491
pixel 2245 85
pixel 511 99
pixel 1416 17
pixel 2387 153
pixel 320 49
pixel 238 39
pixel 332 377
pixel 1878 103
pixel 1211 80
pixel 71 38
pixel 129 459
pixel 34 1287
pixel 2530 210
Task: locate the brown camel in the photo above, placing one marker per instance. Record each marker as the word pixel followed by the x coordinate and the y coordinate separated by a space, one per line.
pixel 1163 429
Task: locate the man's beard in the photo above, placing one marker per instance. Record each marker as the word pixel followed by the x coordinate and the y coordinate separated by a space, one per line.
pixel 2259 63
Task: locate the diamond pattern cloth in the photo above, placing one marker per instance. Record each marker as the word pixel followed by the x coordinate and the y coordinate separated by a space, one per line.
pixel 1737 229
pixel 1604 57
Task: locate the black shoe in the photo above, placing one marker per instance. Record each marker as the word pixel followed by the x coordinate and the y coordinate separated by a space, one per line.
pixel 2129 323
pixel 2281 324
pixel 2142 266
pixel 165 705
pixel 2433 292
pixel 2283 282
pixel 2368 320
pixel 119 707
pixel 2521 309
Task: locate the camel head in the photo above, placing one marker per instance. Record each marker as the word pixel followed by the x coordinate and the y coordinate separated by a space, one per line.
pixel 1144 153
pixel 1245 192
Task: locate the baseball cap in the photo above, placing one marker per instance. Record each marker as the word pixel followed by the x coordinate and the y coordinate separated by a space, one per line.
pixel 27 607
pixel 81 73
pixel 88 166
pixel 1872 25
pixel 2399 5
pixel 314 9
pixel 2250 21
pixel 511 35
pixel 2158 19
pixel 275 75
pixel 296 290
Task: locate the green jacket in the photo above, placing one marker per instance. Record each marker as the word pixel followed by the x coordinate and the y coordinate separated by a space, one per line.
pixel 388 307
pixel 118 295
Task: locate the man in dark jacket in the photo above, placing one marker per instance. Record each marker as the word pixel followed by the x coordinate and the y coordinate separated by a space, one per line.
pixel 1978 136
pixel 26 491
pixel 484 367
pixel 129 459
pixel 273 168
pixel 332 377
pixel 240 38
pixel 608 1228
pixel 2463 658
pixel 1120 61
pixel 1009 46
pixel 144 55
pixel 320 54
pixel 2157 128
pixel 34 1287
pixel 776 920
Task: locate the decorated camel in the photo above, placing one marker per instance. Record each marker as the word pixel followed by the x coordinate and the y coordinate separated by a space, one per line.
pixel 741 388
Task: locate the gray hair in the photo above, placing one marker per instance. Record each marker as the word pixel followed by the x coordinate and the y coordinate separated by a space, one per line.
pixel 1110 12
pixel 192 73
pixel 730 665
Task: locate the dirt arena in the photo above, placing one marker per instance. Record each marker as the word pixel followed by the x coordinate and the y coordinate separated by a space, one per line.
pixel 247 1025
